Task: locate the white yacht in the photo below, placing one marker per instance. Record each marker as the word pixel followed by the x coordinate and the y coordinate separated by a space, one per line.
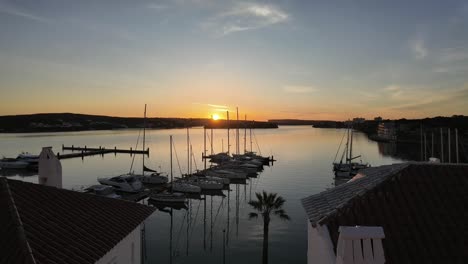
pixel 124 183
pixel 103 190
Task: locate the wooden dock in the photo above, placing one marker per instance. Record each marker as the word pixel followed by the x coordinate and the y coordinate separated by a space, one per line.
pixel 86 151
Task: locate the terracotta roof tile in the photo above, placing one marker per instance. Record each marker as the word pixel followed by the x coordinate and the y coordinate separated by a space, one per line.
pixel 62 226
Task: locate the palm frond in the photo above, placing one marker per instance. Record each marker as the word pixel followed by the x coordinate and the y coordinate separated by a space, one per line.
pixel 266 204
pixel 256 205
pixel 282 214
pixel 253 215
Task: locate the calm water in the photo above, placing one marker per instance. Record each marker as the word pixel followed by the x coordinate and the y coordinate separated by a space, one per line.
pixel 304 156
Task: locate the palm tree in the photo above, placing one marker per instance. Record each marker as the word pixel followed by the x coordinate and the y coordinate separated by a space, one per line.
pixel 266 204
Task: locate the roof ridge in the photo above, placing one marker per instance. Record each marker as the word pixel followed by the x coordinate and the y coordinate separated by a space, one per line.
pixel 74 192
pixel 356 188
pixel 15 214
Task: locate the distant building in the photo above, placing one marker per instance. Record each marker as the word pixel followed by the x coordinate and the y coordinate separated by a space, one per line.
pixel 378 119
pixel 358 120
pixel 387 131
pixel 401 213
pixel 43 224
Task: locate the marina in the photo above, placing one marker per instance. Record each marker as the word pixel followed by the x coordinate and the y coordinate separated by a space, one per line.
pixel 299 171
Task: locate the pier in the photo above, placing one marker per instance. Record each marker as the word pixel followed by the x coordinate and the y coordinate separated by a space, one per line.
pixel 86 151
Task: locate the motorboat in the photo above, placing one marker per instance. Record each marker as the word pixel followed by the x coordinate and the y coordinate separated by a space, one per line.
pixel 124 183
pixel 13 163
pixel 22 161
pixel 103 190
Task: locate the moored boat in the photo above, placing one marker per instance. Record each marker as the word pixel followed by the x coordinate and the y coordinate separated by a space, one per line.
pixel 124 183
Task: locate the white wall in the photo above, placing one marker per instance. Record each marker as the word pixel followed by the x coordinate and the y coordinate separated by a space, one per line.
pixel 319 245
pixel 122 252
pixel 50 168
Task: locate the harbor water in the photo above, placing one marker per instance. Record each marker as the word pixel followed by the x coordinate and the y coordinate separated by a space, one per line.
pixel 303 166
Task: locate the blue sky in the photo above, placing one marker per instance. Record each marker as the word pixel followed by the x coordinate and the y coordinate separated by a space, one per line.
pixel 273 59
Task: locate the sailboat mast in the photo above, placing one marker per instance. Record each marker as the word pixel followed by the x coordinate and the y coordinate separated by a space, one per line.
pixel 351 147
pixel 442 145
pixel 456 143
pixel 245 134
pixel 188 152
pixel 212 140
pixel 237 132
pixel 347 145
pixel 144 138
pixel 228 145
pixel 449 147
pixel 204 145
pixel 171 158
pixel 251 135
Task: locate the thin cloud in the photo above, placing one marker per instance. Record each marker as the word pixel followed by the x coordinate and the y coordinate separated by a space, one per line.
pixel 394 90
pixel 217 107
pixel 449 55
pixel 299 89
pixel 19 13
pixel 246 16
pixel 156 6
pixel 418 47
pixel 437 101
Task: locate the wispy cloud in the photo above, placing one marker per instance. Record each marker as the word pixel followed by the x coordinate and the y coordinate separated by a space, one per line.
pixel 10 10
pixel 299 89
pixel 454 54
pixel 432 101
pixel 394 91
pixel 215 106
pixel 246 16
pixel 156 6
pixel 418 47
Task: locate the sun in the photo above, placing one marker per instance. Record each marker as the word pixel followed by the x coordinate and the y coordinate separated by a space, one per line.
pixel 215 117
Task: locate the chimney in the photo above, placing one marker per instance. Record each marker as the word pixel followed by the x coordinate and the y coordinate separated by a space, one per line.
pixel 360 244
pixel 50 168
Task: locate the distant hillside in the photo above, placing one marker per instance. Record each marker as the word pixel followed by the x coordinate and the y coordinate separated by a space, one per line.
pixel 57 122
pixel 314 123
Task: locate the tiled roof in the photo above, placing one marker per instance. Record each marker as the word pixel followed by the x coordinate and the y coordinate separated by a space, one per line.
pixel 61 226
pixel 421 206
pixel 322 205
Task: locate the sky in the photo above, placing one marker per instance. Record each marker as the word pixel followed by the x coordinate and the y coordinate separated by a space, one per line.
pixel 323 60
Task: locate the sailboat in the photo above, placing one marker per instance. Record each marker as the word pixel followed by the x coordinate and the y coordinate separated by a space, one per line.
pixel 166 197
pixel 131 182
pixel 155 177
pixel 182 185
pixel 349 168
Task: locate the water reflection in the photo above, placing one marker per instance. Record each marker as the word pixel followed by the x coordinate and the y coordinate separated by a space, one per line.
pixel 303 168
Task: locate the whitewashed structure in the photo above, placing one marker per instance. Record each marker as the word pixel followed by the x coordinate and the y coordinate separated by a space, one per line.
pixel 50 168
